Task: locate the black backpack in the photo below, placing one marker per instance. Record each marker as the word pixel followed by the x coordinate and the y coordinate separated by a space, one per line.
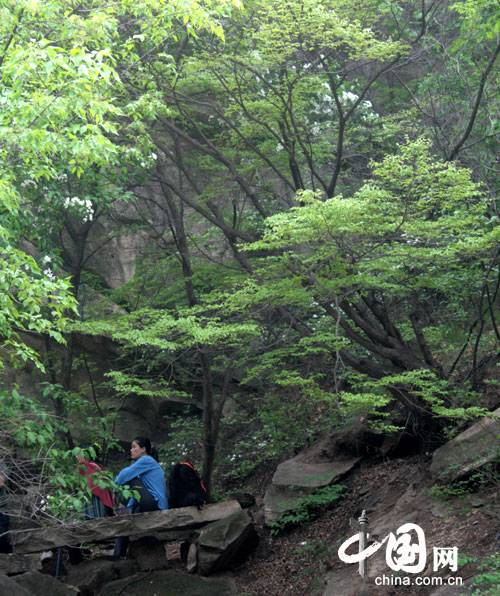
pixel 185 487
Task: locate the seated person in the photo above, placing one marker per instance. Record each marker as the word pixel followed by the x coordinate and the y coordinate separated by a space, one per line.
pixel 102 499
pixel 146 476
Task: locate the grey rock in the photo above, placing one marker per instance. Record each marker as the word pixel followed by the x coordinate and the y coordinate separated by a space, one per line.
pixel 192 558
pixel 89 576
pixel 296 478
pixel 149 554
pixel 13 564
pixel 225 543
pixel 469 451
pixel 9 586
pixel 40 584
pixel 168 583
pixel 295 472
pixel 140 524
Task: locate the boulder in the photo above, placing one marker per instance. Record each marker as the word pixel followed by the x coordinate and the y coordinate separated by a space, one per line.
pixel 468 451
pixel 225 543
pixel 9 586
pixel 296 472
pixel 168 583
pixel 13 564
pixel 299 477
pixel 149 554
pixel 89 576
pixel 39 584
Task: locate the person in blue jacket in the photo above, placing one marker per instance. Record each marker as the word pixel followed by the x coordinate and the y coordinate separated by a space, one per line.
pixel 146 476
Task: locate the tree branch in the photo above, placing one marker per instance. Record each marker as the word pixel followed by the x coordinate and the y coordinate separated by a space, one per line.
pixel 477 102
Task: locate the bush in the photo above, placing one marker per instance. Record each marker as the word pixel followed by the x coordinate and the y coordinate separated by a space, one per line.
pixel 308 507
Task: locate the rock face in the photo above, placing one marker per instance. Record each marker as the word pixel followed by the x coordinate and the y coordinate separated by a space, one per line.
pixel 115 260
pixel 137 416
pixel 300 476
pixel 469 451
pixel 225 543
pixel 168 583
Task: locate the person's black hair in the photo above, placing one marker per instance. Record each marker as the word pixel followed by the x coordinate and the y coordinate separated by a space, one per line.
pixel 145 443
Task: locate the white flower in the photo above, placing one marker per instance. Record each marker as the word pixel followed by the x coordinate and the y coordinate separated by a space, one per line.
pixel 46 259
pixel 348 96
pixel 315 129
pixel 154 156
pixel 49 273
pixel 26 183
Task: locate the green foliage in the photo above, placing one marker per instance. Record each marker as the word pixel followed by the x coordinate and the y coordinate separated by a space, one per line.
pixel 307 507
pixel 31 301
pixel 314 550
pixel 487 581
pixel 485 477
pixel 420 229
pixel 268 430
pixel 318 254
pixel 30 425
pixel 185 441
pixel 62 112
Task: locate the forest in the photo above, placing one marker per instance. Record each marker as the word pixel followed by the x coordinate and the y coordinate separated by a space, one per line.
pixel 260 221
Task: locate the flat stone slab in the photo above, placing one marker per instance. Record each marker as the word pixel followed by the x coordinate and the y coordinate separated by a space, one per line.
pixel 296 478
pixel 468 451
pixel 96 530
pixel 311 475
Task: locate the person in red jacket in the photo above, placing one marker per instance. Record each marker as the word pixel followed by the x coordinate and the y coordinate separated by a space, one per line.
pixel 102 498
pixel 100 505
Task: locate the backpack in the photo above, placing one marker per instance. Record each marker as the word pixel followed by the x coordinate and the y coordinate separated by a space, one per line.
pixel 185 486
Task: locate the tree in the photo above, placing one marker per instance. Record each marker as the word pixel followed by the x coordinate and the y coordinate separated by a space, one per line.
pixel 300 96
pixel 71 135
pixel 387 275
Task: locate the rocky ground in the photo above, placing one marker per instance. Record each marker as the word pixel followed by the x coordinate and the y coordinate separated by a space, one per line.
pixel 305 561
